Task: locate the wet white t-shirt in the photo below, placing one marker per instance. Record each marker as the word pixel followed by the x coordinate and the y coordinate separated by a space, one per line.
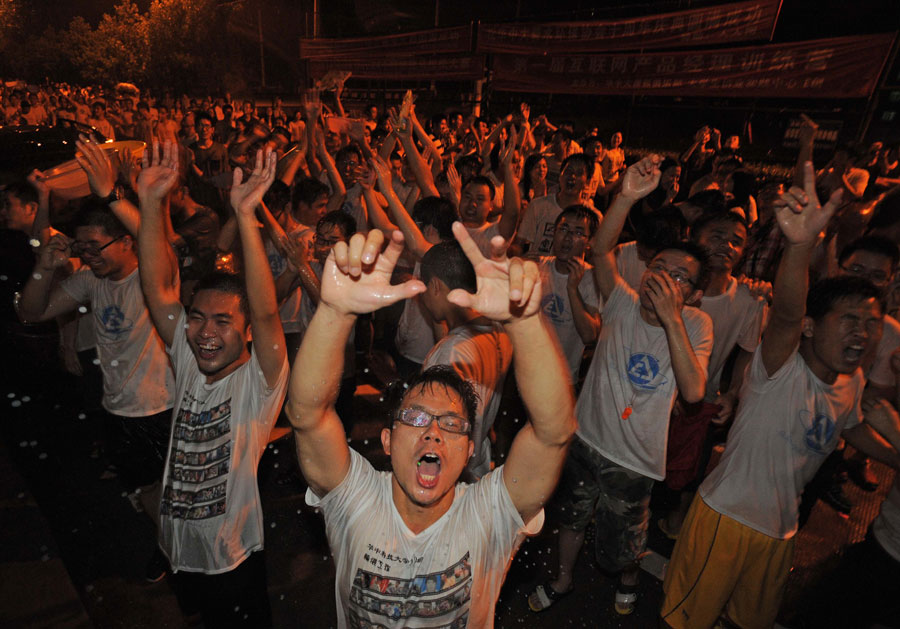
pixel 480 354
pixel 738 319
pixel 210 513
pixel 632 367
pixel 289 310
pixel 482 236
pixel 538 224
pixel 557 308
pixel 629 265
pixel 137 376
pixel 448 575
pixel 879 372
pixel 786 424
pixel 415 336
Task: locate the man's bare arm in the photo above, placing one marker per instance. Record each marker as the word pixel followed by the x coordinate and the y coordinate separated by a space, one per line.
pixel 356 280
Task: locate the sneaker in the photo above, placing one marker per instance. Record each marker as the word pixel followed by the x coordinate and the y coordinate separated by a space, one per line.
pixel 836 499
pixel 157 568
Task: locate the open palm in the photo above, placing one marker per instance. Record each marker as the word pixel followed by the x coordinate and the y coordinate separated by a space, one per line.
pixel 159 173
pixel 641 178
pixel 245 197
pixel 352 286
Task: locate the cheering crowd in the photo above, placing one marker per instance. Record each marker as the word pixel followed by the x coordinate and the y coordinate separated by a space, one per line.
pixel 249 267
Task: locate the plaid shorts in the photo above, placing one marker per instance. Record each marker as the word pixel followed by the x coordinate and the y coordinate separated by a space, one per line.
pixel 592 486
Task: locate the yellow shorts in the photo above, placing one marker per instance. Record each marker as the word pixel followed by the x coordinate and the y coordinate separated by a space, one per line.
pixel 721 565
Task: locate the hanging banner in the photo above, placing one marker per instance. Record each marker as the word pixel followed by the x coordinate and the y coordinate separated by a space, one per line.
pixel 841 67
pixel 456 40
pixel 741 21
pixel 431 68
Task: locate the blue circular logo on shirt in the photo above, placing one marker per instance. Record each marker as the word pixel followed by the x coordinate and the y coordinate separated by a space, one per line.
pixel 643 370
pixel 820 433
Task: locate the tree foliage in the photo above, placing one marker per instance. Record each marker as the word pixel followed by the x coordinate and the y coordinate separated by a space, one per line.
pixel 178 45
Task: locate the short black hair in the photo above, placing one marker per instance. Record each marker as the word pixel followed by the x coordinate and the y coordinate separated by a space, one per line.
pixel 667 163
pixel 350 149
pixel 440 375
pixel 708 218
pixel 873 244
pixel 339 219
pixel 695 251
pixel 23 191
pixel 438 212
pixel 94 213
pixel 202 115
pixel 586 161
pixel 579 211
pixel 825 293
pixel 659 229
pixel 481 180
pixel 711 200
pixel 230 283
pixel 447 262
pixel 307 190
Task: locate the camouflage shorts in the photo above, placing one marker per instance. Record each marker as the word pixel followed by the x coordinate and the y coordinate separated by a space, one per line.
pixel 592 486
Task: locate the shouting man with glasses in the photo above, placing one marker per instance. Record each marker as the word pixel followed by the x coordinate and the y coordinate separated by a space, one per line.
pixel 651 347
pixel 414 544
pixel 138 385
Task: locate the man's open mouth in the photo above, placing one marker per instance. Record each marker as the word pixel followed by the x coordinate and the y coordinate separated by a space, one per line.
pixel 428 469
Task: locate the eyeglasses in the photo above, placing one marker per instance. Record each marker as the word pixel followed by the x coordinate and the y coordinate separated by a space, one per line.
pixel 677 276
pixel 876 277
pixel 82 249
pixel 417 418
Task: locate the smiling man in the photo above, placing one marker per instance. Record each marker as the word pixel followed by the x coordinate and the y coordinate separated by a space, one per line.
pixel 138 384
pixel 228 397
pixel 414 540
pixel 801 394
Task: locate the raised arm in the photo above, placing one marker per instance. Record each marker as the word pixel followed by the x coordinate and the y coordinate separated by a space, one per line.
pixel 40 228
pixel 412 235
pixel 268 336
pixel 95 162
pixel 156 260
pixel 338 189
pixel 638 181
pixel 801 220
pixel 509 219
pixel 509 291
pixel 378 219
pixel 586 318
pixel 417 164
pixel 42 300
pixel 356 280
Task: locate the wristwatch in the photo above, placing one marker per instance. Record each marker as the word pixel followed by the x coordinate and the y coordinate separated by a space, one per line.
pixel 114 195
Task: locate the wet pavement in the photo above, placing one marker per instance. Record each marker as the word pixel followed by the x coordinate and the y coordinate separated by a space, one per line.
pixel 75 547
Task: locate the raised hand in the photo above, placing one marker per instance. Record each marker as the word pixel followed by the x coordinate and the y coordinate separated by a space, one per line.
pixel 367 177
pixel 799 213
pixel 245 197
pixel 382 172
pixel 508 150
pixel 95 162
pixel 55 253
pixel 525 109
pixel 665 295
pixel 159 174
pixel 39 183
pixel 808 128
pixel 357 275
pixel 508 289
pixel 641 178
pixel 576 272
pixel 312 105
pixel 454 179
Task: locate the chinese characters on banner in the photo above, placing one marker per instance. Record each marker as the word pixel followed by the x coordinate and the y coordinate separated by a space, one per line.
pixel 740 21
pixel 456 40
pixel 841 67
pixel 441 67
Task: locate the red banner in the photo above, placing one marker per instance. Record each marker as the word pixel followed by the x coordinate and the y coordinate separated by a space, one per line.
pixel 431 68
pixel 439 40
pixel 841 67
pixel 741 21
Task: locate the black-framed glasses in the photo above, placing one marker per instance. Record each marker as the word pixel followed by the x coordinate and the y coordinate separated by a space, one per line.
pixel 418 418
pixel 677 276
pixel 81 249
pixel 322 241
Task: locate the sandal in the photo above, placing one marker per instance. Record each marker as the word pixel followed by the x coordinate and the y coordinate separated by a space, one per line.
pixel 544 596
pixel 626 599
pixel 665 530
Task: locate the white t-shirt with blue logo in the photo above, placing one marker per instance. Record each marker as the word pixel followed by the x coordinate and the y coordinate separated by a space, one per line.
pixel 632 368
pixel 556 307
pixel 786 425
